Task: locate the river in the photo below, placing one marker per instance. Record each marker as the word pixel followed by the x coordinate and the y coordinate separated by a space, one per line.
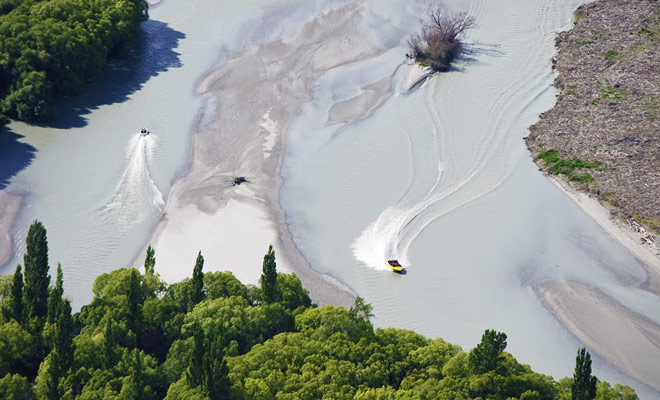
pixel 437 177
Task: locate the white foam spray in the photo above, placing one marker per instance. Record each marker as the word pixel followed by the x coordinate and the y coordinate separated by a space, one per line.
pixel 136 194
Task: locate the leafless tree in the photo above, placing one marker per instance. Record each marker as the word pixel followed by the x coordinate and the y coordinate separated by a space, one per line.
pixel 439 41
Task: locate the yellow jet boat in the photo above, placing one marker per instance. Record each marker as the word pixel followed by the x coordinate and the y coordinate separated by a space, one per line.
pixel 394 265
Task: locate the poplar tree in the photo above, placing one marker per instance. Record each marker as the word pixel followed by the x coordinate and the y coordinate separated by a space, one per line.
pixel 150 261
pixel 216 382
pixel 134 388
pixel 35 293
pixel 134 322
pixel 268 278
pixel 17 309
pixel 197 289
pixel 61 357
pixel 584 384
pixel 64 336
pixel 108 359
pixel 195 372
pixel 55 298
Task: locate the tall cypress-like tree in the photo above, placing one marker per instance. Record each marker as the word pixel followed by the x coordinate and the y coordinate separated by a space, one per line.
pixel 64 336
pixel 584 384
pixel 35 293
pixel 216 382
pixel 61 357
pixel 17 309
pixel 197 289
pixel 150 261
pixel 55 298
pixel 134 389
pixel 134 298
pixel 195 372
pixel 271 293
pixel 108 360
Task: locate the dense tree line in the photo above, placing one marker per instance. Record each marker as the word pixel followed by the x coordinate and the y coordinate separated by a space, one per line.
pixel 211 337
pixel 51 48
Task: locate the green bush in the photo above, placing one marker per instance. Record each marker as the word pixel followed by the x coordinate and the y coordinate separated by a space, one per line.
pixel 51 48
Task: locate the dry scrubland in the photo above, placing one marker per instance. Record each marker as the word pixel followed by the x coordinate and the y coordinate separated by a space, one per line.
pixel 603 133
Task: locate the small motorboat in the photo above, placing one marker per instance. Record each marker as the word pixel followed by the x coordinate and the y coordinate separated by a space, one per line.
pixel 394 265
pixel 144 132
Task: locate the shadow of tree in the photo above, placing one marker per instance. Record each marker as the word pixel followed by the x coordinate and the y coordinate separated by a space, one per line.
pixel 153 54
pixel 470 51
pixel 14 155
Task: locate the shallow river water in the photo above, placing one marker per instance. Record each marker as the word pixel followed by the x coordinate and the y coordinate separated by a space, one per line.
pixel 438 177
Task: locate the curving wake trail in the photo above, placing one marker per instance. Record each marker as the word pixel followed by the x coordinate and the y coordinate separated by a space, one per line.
pixel 136 195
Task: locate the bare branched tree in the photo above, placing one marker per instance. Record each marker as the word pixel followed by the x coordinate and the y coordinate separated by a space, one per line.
pixel 440 39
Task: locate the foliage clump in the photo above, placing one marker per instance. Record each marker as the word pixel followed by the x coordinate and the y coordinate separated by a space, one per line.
pixel 439 42
pixel 560 166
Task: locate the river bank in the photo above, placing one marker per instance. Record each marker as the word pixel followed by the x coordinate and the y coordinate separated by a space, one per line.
pixel 608 109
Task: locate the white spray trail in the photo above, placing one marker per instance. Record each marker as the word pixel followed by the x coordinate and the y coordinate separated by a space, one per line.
pixel 136 194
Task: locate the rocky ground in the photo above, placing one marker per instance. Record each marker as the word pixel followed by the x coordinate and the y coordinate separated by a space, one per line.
pixel 605 126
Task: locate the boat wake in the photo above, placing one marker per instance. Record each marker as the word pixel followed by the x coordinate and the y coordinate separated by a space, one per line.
pixel 136 195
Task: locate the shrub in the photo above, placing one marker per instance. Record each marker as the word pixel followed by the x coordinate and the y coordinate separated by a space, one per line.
pixel 439 41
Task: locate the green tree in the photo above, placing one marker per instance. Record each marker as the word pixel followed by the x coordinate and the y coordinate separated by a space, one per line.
pixel 16 387
pixel 268 280
pixel 150 261
pixel 134 388
pixel 487 355
pixel 197 289
pixel 109 342
pixel 55 298
pixel 584 384
pixel 134 300
pixel 195 372
pixel 216 383
pixel 361 309
pixel 35 293
pixel 16 304
pixel 61 357
pixel 64 337
pixel 293 295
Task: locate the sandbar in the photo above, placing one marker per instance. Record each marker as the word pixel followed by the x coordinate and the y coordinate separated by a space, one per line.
pixel 625 339
pixel 260 90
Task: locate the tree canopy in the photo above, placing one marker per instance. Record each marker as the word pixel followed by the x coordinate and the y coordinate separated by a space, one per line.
pixel 51 48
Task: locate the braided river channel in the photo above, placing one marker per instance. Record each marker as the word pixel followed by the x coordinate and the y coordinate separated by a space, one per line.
pixel 437 177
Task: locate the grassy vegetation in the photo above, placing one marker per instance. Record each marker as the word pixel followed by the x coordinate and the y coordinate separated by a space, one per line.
pixel 610 54
pixel 584 42
pixel 610 94
pixel 652 223
pixel 570 168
